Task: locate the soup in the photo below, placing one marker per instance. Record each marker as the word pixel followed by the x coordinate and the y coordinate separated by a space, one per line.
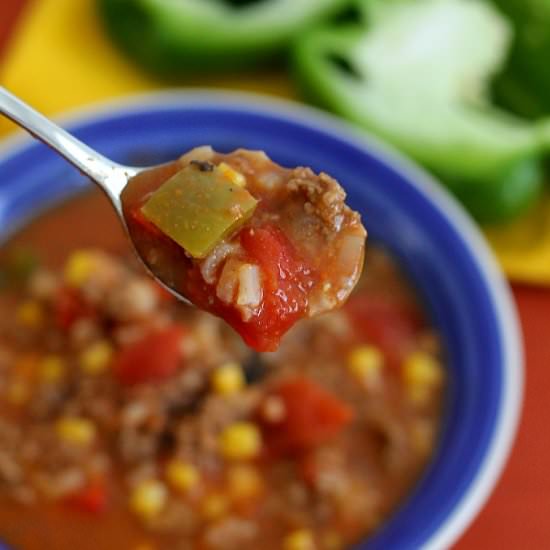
pixel 129 420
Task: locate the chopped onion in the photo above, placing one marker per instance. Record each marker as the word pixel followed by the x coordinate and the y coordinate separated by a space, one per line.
pixel 250 287
pixel 227 284
pixel 349 263
pixel 349 257
pixel 321 301
pixel 270 180
pixel 209 266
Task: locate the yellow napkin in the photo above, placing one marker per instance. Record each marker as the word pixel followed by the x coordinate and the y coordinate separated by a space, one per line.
pixel 60 59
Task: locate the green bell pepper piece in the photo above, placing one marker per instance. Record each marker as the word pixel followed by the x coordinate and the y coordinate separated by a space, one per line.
pixel 524 83
pixel 16 268
pixel 198 208
pixel 416 73
pixel 173 36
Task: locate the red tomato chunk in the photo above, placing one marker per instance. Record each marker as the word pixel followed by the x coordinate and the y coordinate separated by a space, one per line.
pixel 387 323
pixel 285 284
pixel 91 499
pixel 69 307
pixel 153 358
pixel 311 416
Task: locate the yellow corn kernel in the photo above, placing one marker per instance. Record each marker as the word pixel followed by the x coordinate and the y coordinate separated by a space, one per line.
pixel 421 368
pixel 366 363
pixel 301 539
pixel 148 499
pixel 52 368
pixel 232 175
pixel 78 431
pixel 240 441
pixel 421 373
pixel 244 482
pixel 18 392
pixel 96 357
pixel 214 506
pixel 182 475
pixel 228 379
pixel 30 314
pixel 79 267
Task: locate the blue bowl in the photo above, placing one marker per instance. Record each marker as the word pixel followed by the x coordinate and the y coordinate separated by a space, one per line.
pixel 402 208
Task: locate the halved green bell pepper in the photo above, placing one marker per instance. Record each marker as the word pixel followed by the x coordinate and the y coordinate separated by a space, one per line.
pixel 174 36
pixel 416 73
pixel 524 83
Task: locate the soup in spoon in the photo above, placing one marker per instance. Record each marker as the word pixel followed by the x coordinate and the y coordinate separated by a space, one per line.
pixel 257 244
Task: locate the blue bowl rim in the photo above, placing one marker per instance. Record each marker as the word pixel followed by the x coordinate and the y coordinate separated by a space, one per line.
pixel 507 421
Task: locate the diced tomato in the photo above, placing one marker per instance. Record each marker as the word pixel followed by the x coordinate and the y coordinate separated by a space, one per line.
pixel 272 250
pixel 286 281
pixel 91 499
pixel 153 358
pixel 312 416
pixel 70 306
pixel 388 323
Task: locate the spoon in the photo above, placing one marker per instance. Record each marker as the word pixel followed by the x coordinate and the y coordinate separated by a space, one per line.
pixel 110 176
pixel 195 227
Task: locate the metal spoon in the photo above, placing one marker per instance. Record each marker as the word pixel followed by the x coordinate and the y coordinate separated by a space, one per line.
pixel 110 176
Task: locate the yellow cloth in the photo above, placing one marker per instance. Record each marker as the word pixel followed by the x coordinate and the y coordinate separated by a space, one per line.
pixel 60 59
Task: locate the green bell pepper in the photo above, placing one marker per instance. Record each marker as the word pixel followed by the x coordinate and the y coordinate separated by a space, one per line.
pixel 417 73
pixel 173 36
pixel 199 206
pixel 17 266
pixel 524 83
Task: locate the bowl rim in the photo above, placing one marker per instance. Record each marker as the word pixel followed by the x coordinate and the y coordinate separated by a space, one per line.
pixel 507 422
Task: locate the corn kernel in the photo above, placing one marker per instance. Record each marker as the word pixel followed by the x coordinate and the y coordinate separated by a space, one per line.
pixel 241 441
pixel 421 373
pixel 420 368
pixel 182 475
pixel 366 363
pixel 214 506
pixel 96 357
pixel 52 368
pixel 18 392
pixel 148 499
pixel 30 314
pixel 244 482
pixel 228 379
pixel 78 431
pixel 78 268
pixel 232 175
pixel 301 539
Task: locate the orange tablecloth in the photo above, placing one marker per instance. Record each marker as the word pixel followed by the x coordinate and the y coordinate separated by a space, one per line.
pixel 516 516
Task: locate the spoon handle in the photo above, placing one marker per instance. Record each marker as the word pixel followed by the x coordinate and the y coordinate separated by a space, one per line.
pixel 110 176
